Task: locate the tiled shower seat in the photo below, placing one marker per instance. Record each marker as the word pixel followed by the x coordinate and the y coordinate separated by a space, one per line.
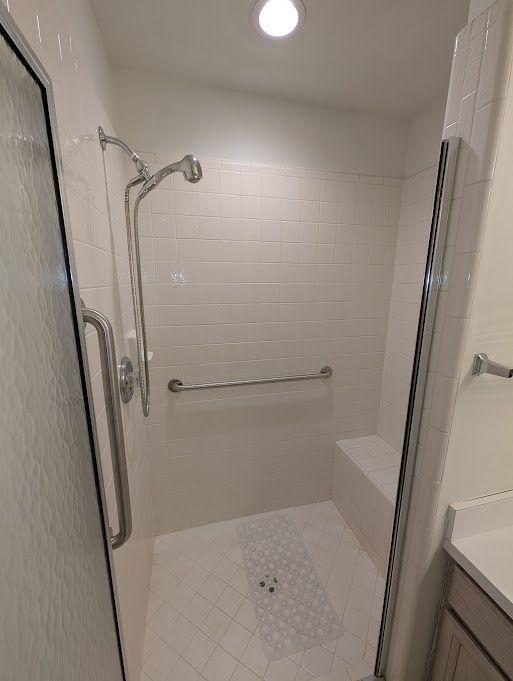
pixel 364 489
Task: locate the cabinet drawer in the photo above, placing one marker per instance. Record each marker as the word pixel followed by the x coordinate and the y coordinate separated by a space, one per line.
pixel 490 626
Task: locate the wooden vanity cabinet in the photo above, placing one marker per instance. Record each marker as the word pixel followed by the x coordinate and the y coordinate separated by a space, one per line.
pixel 475 639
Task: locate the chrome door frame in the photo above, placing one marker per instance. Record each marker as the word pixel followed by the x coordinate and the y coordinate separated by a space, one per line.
pixel 431 288
pixel 20 45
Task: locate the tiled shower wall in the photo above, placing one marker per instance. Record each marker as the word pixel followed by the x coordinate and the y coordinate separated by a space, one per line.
pixel 65 38
pixel 480 82
pixel 409 266
pixel 262 271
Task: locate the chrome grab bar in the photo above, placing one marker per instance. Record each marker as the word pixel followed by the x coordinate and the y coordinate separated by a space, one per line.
pixel 114 422
pixel 176 385
pixel 483 365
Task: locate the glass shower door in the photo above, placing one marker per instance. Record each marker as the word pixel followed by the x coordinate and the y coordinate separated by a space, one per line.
pixel 57 614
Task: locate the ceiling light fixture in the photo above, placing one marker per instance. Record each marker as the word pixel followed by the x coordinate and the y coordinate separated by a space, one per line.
pixel 277 19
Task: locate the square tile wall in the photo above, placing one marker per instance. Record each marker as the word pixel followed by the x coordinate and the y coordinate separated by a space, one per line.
pixel 480 78
pixel 409 266
pixel 365 477
pixel 65 37
pixel 262 271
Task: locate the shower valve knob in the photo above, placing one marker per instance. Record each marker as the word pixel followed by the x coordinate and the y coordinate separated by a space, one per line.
pixel 127 380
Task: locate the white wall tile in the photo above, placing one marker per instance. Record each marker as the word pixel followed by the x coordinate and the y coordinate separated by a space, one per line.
pixel 423 569
pixel 410 258
pixel 257 297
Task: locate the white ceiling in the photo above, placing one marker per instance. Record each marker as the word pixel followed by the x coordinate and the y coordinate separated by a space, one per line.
pixel 386 56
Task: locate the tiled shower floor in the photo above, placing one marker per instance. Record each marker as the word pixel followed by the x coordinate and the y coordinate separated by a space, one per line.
pixel 201 624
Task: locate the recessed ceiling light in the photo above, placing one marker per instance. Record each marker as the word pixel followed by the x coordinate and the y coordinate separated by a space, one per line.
pixel 277 19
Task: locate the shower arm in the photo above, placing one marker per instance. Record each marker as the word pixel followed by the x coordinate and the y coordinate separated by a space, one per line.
pixel 142 166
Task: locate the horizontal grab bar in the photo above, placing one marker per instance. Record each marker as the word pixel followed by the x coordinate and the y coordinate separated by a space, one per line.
pixel 176 385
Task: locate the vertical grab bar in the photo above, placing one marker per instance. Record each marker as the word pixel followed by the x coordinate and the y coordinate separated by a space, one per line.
pixel 114 422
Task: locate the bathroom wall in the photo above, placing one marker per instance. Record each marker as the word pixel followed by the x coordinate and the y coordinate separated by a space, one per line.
pixel 262 271
pixel 268 266
pixel 480 83
pixel 65 38
pixel 424 136
pixel 481 421
pixel 189 118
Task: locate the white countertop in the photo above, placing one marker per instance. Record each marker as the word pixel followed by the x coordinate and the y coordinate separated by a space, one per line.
pixel 479 537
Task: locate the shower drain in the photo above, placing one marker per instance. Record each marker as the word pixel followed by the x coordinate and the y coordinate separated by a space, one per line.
pixel 269 583
pixel 292 609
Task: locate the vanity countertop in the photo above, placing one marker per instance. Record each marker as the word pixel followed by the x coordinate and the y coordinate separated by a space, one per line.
pixel 479 536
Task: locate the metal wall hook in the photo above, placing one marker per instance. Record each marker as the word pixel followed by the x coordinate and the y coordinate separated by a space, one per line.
pixel 483 365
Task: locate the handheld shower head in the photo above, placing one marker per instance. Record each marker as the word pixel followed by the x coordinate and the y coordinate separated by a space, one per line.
pixel 189 166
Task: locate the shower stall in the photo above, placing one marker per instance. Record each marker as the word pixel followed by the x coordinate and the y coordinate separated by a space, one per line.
pixel 282 295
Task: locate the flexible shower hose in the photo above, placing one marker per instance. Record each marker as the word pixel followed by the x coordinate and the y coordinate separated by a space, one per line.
pixel 137 295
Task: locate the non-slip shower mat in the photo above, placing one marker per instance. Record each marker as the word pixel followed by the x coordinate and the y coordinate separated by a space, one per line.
pixel 292 608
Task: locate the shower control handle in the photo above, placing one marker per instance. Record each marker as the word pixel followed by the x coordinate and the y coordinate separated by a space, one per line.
pixel 114 422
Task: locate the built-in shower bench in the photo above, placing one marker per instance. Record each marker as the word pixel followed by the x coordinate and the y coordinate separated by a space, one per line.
pixel 366 471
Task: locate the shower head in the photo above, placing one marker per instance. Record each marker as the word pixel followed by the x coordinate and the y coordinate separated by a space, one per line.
pixel 189 166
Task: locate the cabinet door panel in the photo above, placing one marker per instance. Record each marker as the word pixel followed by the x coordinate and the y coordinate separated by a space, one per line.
pixel 459 658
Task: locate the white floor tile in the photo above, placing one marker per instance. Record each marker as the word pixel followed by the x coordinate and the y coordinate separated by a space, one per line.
pixel 163 582
pixel 180 633
pixel 225 569
pixel 198 650
pixel 234 554
pixel 254 657
pixel 151 642
pixel 154 603
pixel 356 622
pixel 242 673
pixel 196 577
pixel 236 639
pixel 201 623
pixel 360 599
pixel 160 623
pixel 350 648
pixel 281 670
pixel 215 624
pixel 181 597
pixel 245 615
pixel 303 675
pixel 212 588
pixel 240 582
pixel 198 609
pixel 181 566
pixel 317 661
pixel 182 671
pixel 160 662
pixel 220 666
pixel 339 672
pixel 229 601
pixel 209 560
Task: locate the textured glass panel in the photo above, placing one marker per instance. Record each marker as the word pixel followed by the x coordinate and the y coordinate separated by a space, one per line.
pixel 56 616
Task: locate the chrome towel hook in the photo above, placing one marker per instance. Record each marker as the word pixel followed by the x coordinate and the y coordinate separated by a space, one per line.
pixel 483 365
